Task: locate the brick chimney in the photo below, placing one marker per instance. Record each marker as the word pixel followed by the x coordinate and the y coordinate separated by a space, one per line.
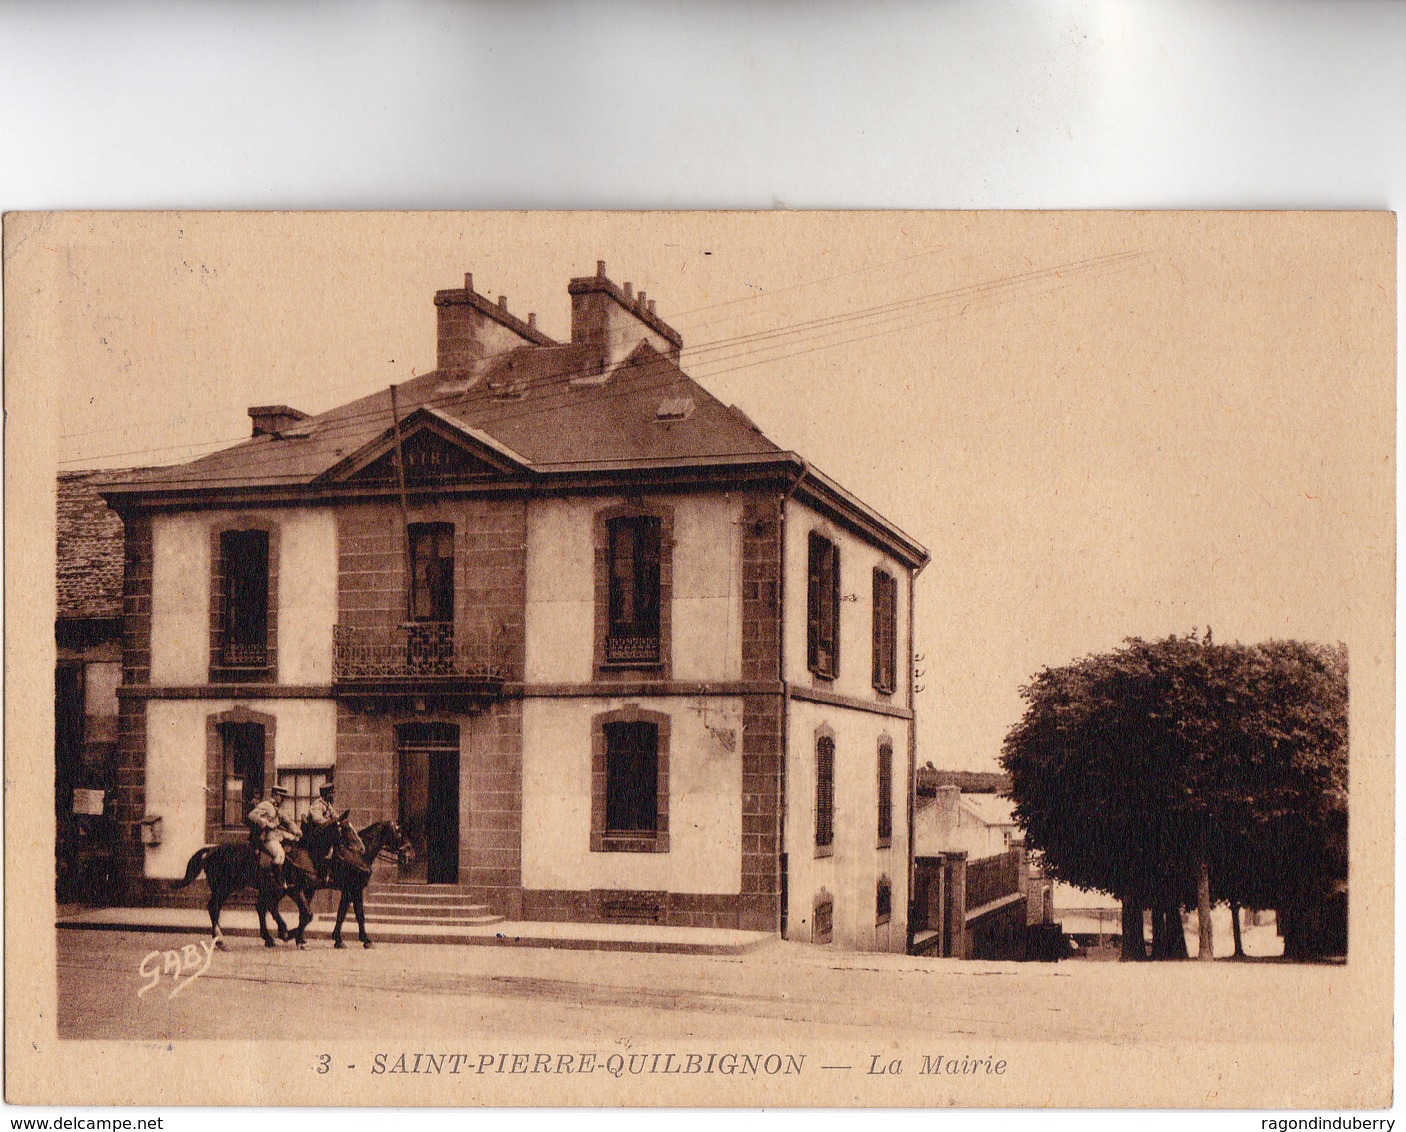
pixel 274 420
pixel 608 322
pixel 472 327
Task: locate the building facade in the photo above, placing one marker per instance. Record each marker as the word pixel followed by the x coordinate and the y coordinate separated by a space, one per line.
pixel 88 639
pixel 604 650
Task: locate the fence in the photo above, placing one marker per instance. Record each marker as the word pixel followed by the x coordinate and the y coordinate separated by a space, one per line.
pixel 968 909
pixel 992 878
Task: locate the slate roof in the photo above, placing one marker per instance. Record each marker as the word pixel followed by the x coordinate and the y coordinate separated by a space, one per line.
pixel 542 407
pixel 533 401
pixel 990 808
pixel 89 549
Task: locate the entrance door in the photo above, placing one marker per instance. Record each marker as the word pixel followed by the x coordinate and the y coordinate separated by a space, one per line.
pixel 429 801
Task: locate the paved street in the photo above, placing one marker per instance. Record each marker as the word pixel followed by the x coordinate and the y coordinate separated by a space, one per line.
pixel 785 992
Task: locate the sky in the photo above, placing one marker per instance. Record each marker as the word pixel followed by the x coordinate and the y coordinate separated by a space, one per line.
pixel 1100 425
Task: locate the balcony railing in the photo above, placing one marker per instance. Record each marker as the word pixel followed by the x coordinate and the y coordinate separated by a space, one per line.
pixel 626 650
pixel 426 654
pixel 234 655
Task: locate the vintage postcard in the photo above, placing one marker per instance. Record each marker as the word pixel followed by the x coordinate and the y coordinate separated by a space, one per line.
pixel 700 659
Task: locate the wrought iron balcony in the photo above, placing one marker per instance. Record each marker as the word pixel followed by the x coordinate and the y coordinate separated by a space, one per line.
pixel 419 659
pixel 233 655
pixel 625 650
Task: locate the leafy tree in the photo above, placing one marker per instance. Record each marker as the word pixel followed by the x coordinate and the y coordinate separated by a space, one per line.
pixel 1173 772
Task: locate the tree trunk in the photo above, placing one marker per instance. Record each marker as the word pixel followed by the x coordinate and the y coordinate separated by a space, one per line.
pixel 1205 947
pixel 1168 935
pixel 1134 946
pixel 1235 930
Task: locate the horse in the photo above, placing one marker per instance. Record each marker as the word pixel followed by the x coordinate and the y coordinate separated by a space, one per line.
pixel 368 844
pixel 228 868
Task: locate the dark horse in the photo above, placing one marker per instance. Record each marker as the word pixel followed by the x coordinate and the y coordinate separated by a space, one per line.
pixel 349 869
pixel 228 868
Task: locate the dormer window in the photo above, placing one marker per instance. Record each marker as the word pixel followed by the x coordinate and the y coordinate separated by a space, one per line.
pixel 674 409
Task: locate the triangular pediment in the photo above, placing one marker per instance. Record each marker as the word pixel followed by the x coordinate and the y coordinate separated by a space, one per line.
pixel 436 450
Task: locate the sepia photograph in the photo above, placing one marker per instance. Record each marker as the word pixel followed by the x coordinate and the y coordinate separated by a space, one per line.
pixel 688 658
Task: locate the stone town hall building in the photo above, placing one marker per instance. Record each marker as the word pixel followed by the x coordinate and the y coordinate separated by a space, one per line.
pixel 605 651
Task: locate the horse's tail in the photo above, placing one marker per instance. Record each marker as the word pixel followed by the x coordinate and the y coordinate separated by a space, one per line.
pixel 194 866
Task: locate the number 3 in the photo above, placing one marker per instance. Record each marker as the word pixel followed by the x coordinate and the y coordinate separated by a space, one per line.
pixel 324 1063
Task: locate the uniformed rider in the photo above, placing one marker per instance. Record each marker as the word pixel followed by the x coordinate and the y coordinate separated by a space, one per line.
pixel 269 827
pixel 322 812
pixel 349 849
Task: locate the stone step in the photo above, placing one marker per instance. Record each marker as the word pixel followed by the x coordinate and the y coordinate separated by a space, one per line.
pixel 422 901
pixel 435 921
pixel 408 907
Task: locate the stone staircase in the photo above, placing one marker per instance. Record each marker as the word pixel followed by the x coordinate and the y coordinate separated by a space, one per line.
pixel 426 905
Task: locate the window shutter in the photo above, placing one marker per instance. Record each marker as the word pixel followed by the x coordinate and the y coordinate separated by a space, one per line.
pixel 834 610
pixel 824 792
pixel 885 792
pixel 878 634
pixel 813 599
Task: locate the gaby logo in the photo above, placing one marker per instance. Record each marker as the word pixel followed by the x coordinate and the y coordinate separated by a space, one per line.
pixel 184 966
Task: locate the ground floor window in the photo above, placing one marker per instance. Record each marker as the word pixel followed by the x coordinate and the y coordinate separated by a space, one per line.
pixel 884 902
pixel 303 784
pixel 630 782
pixel 822 918
pixel 824 795
pixel 631 778
pixel 243 770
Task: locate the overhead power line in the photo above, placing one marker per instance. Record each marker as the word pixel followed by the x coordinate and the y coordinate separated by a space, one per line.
pixel 890 315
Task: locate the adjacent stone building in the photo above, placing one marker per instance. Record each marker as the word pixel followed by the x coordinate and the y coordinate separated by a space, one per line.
pixel 605 650
pixel 88 639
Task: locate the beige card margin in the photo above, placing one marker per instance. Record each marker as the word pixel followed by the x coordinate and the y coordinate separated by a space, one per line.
pixel 1350 1068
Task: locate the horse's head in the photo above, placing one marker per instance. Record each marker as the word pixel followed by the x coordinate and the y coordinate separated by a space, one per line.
pixel 347 836
pixel 396 837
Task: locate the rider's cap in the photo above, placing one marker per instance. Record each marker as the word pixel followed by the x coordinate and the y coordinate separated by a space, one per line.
pixel 281 790
pixel 326 788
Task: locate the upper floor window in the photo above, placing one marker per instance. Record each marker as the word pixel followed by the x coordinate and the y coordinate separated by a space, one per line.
pixel 243 594
pixel 633 552
pixel 885 793
pixel 824 794
pixel 885 631
pixel 432 572
pixel 823 607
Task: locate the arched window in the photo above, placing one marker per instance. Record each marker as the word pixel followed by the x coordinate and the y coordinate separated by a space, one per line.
pixel 634 589
pixel 883 901
pixel 885 793
pixel 630 782
pixel 243 602
pixel 824 794
pixel 823 607
pixel 885 632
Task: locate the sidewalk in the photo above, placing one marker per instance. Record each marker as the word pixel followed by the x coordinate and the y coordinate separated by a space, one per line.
pixel 578 937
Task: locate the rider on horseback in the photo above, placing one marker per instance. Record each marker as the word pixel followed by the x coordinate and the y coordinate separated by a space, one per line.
pixel 269 828
pixel 346 848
